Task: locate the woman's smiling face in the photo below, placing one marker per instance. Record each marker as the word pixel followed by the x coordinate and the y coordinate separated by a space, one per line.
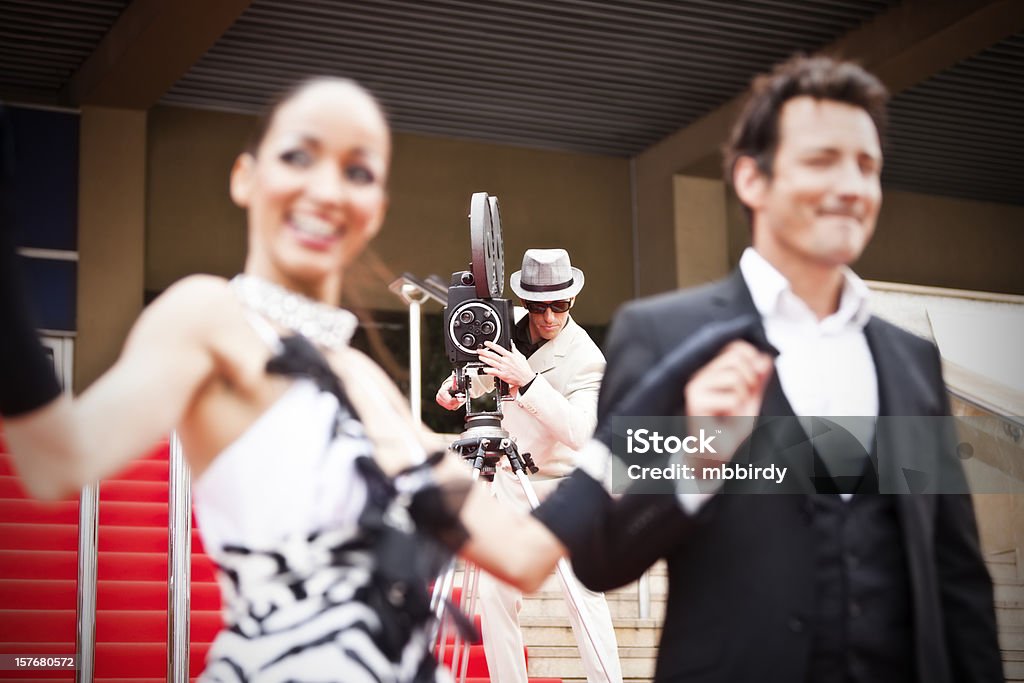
pixel 314 190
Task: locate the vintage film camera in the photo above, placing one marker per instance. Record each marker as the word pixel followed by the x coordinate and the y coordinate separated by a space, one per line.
pixel 476 313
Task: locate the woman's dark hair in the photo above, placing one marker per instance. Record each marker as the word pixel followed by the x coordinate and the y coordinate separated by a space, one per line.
pixel 267 117
pixel 756 133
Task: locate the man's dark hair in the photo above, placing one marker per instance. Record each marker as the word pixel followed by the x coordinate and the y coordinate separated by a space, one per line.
pixel 756 133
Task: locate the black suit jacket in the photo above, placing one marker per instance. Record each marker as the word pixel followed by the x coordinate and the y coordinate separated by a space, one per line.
pixel 741 571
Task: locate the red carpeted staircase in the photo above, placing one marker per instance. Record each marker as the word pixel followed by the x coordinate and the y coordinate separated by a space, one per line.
pixel 131 603
pixel 39 569
pixel 476 669
pixel 38 576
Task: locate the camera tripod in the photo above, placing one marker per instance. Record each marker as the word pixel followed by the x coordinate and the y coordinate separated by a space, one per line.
pixel 483 444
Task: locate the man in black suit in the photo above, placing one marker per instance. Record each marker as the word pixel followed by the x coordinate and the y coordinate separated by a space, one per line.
pixel 833 582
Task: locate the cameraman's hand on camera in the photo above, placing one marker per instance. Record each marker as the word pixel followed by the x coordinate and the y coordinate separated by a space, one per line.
pixel 445 398
pixel 509 366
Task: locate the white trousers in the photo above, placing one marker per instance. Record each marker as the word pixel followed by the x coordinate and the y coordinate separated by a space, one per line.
pixel 500 605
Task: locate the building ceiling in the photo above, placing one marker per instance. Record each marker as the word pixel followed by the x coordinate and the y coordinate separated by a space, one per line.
pixel 589 76
pixel 44 42
pixel 960 133
pixel 580 75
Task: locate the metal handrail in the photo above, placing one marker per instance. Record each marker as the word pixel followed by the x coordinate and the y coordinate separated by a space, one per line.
pixel 88 537
pixel 179 564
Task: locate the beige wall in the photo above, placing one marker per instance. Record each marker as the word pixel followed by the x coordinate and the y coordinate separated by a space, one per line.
pixel 701 230
pixel 926 240
pixel 548 199
pixel 111 218
pixel 929 240
pixel 191 224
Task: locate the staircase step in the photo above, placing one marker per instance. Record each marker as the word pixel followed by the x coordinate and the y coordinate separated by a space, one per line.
pixel 118 513
pixel 41 594
pixel 142 660
pixel 63 564
pixel 53 647
pixel 143 470
pixel 42 626
pixel 37 625
pixel 110 595
pixel 144 626
pixel 1008 593
pixel 477 662
pixel 139 539
pixel 150 626
pixel 564 662
pixel 134 491
pixel 555 606
pixel 39 564
pixel 36 512
pixel 1011 638
pixel 10 487
pixel 29 536
pixel 541 631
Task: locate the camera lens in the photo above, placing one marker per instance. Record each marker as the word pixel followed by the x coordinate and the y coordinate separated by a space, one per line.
pixel 487 327
pixel 468 340
pixel 466 317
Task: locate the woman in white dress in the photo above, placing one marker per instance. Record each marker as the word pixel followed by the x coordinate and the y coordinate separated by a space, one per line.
pixel 324 507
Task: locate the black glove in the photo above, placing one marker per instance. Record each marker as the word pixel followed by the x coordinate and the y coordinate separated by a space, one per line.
pixel 27 380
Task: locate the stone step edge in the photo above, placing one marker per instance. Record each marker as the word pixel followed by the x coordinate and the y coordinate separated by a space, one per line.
pixel 526 621
pixel 538 652
pixel 546 594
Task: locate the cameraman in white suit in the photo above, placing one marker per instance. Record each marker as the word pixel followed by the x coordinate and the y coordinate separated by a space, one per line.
pixel 554 371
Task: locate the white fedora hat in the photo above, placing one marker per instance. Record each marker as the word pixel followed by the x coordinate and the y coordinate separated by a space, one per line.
pixel 547 275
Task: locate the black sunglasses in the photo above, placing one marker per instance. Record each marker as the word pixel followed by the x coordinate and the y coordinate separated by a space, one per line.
pixel 541 306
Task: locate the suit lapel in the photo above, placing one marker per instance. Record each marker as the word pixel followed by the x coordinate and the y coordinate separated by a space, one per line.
pixel 546 357
pixel 779 437
pixel 892 384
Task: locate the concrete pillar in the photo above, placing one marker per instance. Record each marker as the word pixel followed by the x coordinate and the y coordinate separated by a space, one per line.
pixel 111 235
pixel 701 230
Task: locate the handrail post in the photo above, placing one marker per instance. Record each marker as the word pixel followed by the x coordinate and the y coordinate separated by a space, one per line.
pixel 643 590
pixel 88 537
pixel 179 564
pixel 415 364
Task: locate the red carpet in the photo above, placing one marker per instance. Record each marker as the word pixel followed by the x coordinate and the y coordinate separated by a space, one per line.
pixel 39 569
pixel 131 602
pixel 38 575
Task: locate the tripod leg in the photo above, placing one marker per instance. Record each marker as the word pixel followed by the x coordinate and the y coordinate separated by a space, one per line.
pixel 572 596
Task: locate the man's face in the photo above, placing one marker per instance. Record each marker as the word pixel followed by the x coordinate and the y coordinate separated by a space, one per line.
pixel 819 208
pixel 548 323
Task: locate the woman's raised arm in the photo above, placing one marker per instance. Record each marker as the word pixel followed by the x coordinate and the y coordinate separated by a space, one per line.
pixel 166 360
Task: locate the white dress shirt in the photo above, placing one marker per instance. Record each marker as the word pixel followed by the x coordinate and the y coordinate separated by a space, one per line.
pixel 825 366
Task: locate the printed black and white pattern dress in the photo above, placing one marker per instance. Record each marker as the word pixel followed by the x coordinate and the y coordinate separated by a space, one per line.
pixel 321 568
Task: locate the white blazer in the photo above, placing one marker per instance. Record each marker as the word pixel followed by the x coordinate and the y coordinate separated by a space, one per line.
pixel 556 416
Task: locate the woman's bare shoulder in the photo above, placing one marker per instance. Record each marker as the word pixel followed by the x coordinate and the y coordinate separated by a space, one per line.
pixel 201 291
pixel 194 303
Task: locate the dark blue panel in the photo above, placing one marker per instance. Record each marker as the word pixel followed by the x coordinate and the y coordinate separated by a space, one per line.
pixel 45 178
pixel 51 286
